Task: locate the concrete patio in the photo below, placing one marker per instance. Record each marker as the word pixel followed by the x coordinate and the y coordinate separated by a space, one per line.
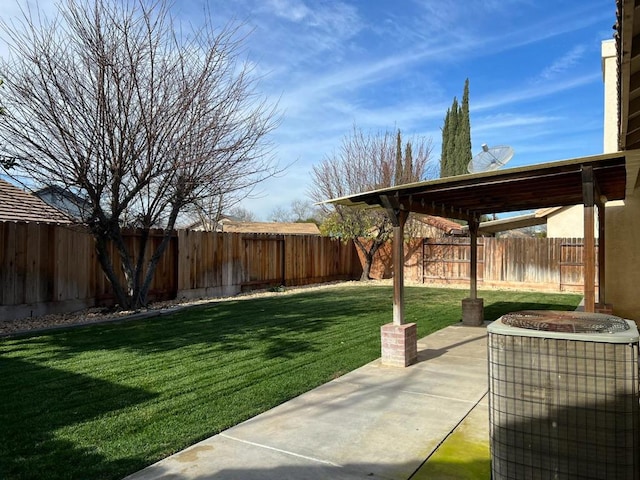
pixel 429 420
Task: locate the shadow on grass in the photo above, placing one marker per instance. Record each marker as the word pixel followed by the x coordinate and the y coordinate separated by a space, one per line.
pixel 259 332
pixel 37 401
pixel 283 326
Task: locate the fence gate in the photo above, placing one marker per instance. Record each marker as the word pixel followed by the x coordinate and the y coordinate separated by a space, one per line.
pixel 572 264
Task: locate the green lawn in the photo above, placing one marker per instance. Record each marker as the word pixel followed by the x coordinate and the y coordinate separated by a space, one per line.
pixel 104 401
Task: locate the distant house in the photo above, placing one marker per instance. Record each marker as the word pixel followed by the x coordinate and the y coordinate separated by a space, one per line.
pixel 274 228
pixel 567 222
pixel 208 225
pixel 17 205
pixel 431 226
pixel 64 200
pixel 231 224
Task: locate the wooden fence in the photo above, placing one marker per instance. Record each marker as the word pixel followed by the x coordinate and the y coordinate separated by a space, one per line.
pixel 551 264
pixel 53 268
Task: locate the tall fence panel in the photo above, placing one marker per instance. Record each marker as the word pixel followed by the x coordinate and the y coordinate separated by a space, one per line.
pixel 46 268
pixel 550 264
pixel 541 263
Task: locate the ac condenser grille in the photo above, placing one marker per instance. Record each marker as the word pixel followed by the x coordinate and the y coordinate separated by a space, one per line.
pixel 563 408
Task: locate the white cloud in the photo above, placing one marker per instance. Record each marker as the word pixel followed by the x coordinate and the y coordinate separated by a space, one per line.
pixel 535 91
pixel 563 64
pixel 292 10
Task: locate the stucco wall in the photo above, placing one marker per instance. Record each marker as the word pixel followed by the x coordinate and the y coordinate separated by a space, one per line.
pixel 622 253
pixel 609 72
pixel 568 223
pixel 623 258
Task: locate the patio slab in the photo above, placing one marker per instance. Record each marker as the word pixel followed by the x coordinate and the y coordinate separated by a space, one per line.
pixel 375 422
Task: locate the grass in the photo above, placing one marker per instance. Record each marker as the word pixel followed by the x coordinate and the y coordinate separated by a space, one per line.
pixel 103 401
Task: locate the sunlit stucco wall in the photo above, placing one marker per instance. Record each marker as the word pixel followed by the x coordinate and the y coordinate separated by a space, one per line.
pixel 567 223
pixel 622 253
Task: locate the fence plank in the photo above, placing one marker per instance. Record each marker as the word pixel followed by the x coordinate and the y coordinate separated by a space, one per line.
pixel 55 266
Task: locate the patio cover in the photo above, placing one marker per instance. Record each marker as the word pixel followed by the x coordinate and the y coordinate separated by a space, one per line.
pixel 591 181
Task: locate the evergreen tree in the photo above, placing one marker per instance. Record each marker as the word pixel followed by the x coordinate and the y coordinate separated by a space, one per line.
pixel 456 137
pixel 463 140
pixel 408 164
pixel 398 173
pixel 445 159
pixel 451 140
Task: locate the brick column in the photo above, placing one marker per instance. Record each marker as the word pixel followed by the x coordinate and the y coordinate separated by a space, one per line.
pixel 473 312
pixel 606 308
pixel 399 344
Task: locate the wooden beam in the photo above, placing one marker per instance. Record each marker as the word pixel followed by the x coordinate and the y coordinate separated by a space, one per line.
pixel 392 206
pixel 398 219
pixel 398 268
pixel 601 256
pixel 588 195
pixel 440 210
pixel 634 82
pixel 473 233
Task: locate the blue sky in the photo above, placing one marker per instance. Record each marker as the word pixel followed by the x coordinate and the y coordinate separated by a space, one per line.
pixel 534 69
pixel 533 65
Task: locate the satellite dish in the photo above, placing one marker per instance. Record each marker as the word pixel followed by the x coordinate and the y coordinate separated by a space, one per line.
pixel 490 158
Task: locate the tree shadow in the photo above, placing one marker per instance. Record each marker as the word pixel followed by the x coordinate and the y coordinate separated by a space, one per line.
pixel 283 325
pixel 30 446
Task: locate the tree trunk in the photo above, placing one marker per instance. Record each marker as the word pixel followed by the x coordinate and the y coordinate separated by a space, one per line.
pixel 151 267
pixel 368 254
pixel 107 267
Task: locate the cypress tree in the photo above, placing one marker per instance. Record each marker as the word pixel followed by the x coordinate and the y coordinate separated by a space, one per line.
pixel 456 137
pixel 444 157
pixel 463 141
pixel 409 176
pixel 399 176
pixel 452 139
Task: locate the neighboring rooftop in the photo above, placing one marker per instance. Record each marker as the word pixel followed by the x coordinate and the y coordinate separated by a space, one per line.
pixel 274 228
pixel 63 200
pixel 17 205
pixel 448 227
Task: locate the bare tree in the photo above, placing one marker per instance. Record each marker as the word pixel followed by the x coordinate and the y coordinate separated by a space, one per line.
pixel 242 214
pixel 116 101
pixel 280 215
pixel 367 162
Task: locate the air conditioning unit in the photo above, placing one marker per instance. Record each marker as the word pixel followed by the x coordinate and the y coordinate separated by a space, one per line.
pixel 563 396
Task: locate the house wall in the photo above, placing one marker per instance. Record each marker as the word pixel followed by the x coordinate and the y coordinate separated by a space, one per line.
pixel 568 223
pixel 609 71
pixel 622 252
pixel 623 257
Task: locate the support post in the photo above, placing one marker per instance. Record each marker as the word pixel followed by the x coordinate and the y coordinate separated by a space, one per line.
pixel 399 340
pixel 602 306
pixel 398 273
pixel 588 195
pixel 473 307
pixel 473 270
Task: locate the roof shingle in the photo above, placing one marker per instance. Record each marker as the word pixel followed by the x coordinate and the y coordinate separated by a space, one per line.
pixel 17 205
